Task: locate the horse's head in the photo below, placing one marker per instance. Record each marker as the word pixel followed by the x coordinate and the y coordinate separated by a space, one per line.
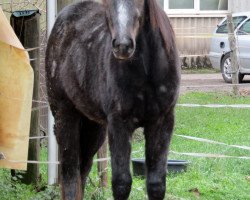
pixel 124 19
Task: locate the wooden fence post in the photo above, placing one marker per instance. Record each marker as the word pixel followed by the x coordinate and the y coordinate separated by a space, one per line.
pixel 103 165
pixel 233 54
pixel 26 25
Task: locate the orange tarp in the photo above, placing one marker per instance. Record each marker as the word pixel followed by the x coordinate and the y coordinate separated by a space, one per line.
pixel 16 86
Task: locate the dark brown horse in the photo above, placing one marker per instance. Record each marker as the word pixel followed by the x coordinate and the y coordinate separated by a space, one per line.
pixel 112 68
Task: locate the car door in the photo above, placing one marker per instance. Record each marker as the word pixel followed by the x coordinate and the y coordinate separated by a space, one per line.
pixel 243 40
pixel 219 42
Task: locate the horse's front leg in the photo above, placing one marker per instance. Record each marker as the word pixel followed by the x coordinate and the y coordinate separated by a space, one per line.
pixel 158 136
pixel 67 133
pixel 120 148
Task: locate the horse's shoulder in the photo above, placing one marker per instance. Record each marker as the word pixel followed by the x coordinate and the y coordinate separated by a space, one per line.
pixel 79 10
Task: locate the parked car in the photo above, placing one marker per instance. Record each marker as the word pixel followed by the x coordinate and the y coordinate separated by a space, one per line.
pixel 220 50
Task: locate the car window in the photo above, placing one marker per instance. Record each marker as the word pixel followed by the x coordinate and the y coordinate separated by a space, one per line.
pixel 245 28
pixel 236 20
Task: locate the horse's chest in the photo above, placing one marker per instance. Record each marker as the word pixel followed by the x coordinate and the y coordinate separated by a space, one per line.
pixel 145 102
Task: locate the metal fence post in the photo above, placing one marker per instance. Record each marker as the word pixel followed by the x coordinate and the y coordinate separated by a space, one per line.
pixel 52 144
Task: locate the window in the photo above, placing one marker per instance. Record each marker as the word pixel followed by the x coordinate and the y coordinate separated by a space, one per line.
pixel 236 21
pixel 245 29
pixel 161 3
pixel 213 5
pixel 181 4
pixel 196 6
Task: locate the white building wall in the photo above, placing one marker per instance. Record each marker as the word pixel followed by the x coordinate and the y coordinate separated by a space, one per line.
pixel 239 5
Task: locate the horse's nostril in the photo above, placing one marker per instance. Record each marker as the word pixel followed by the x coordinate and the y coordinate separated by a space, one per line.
pixel 131 44
pixel 114 43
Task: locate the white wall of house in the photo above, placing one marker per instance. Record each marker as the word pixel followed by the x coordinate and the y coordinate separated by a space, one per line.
pixel 239 5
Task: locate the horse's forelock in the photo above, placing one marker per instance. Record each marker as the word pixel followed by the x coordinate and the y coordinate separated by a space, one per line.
pixel 159 20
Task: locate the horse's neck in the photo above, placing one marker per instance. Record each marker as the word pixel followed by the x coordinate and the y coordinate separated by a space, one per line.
pixel 150 41
pixel 144 51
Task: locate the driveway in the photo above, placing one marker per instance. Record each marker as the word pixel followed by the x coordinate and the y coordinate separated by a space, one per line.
pixel 210 82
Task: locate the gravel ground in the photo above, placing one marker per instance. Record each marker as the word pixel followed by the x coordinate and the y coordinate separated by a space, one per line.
pixel 211 82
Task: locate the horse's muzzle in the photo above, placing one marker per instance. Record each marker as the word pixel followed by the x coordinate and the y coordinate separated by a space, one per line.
pixel 123 49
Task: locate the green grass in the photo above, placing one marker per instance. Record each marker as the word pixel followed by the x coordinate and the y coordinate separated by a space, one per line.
pixel 206 178
pixel 214 178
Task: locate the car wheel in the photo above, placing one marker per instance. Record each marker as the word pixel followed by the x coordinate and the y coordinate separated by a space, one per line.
pixel 226 70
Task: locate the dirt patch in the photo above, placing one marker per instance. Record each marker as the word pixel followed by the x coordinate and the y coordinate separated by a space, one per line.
pixel 211 83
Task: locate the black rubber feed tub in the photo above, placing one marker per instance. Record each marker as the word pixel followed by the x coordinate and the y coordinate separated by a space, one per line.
pixel 174 166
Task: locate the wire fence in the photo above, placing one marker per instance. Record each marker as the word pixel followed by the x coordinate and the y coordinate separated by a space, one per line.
pixel 193 154
pixel 204 140
pixel 10 6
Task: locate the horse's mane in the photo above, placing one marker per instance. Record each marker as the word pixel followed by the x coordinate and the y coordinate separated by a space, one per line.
pixel 159 20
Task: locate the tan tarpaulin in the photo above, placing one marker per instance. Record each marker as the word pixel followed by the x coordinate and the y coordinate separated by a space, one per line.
pixel 16 86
